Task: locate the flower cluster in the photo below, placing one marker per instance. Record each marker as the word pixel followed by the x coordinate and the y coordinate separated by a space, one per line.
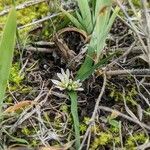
pixel 66 83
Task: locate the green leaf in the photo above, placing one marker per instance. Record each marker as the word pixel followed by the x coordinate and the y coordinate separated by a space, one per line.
pixel 112 18
pixel 72 19
pixel 88 62
pixel 86 15
pixel 114 123
pixel 89 72
pixel 74 112
pixel 100 4
pixel 7 44
pixel 98 38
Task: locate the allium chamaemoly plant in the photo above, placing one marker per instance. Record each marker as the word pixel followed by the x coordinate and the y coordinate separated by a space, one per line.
pixel 96 21
pixel 66 82
pixel 7 44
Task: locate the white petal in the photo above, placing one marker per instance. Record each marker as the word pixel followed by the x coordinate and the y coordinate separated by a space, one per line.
pixel 60 76
pixel 71 74
pixel 62 72
pixel 70 81
pixel 60 88
pixel 79 84
pixel 66 78
pixel 79 89
pixel 78 80
pixel 68 73
pixel 56 82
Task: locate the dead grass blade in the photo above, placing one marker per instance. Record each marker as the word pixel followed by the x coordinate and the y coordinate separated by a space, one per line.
pixel 19 106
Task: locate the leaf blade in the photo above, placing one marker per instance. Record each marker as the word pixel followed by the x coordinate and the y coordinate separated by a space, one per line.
pixel 74 112
pixel 6 51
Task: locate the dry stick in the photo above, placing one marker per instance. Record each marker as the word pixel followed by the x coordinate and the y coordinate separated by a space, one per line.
pixel 134 27
pixel 132 114
pixel 88 141
pixel 137 72
pixel 138 84
pixel 120 134
pixel 40 20
pixel 147 24
pixel 94 113
pixel 144 146
pixel 22 6
pixel 124 116
pixel 51 45
pixel 44 44
pixel 146 100
pixel 41 46
pixel 135 50
pixel 38 49
pixel 26 114
pixel 127 24
pixel 134 11
pixel 128 50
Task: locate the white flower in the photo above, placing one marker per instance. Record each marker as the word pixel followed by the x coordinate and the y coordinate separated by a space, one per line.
pixel 66 83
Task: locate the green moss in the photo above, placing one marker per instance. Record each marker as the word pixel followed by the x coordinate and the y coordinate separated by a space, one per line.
pixel 15 76
pixel 26 131
pixel 130 96
pixel 64 108
pixel 84 125
pixel 9 100
pixel 34 143
pixel 136 3
pixel 114 125
pixel 139 138
pixel 26 15
pixel 83 128
pixel 16 80
pixel 103 139
pixel 36 12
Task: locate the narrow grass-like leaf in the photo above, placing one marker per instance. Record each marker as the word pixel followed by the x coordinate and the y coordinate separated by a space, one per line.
pixel 113 16
pixel 72 19
pixel 74 112
pixel 79 18
pixel 101 5
pixel 89 72
pixel 7 44
pixel 88 62
pixel 98 38
pixel 86 15
pixel 105 30
pixel 102 20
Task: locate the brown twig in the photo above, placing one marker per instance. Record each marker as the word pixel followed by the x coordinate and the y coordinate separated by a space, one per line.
pixel 145 48
pixel 94 113
pixel 38 49
pixel 137 72
pixel 39 21
pixel 126 52
pixel 124 116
